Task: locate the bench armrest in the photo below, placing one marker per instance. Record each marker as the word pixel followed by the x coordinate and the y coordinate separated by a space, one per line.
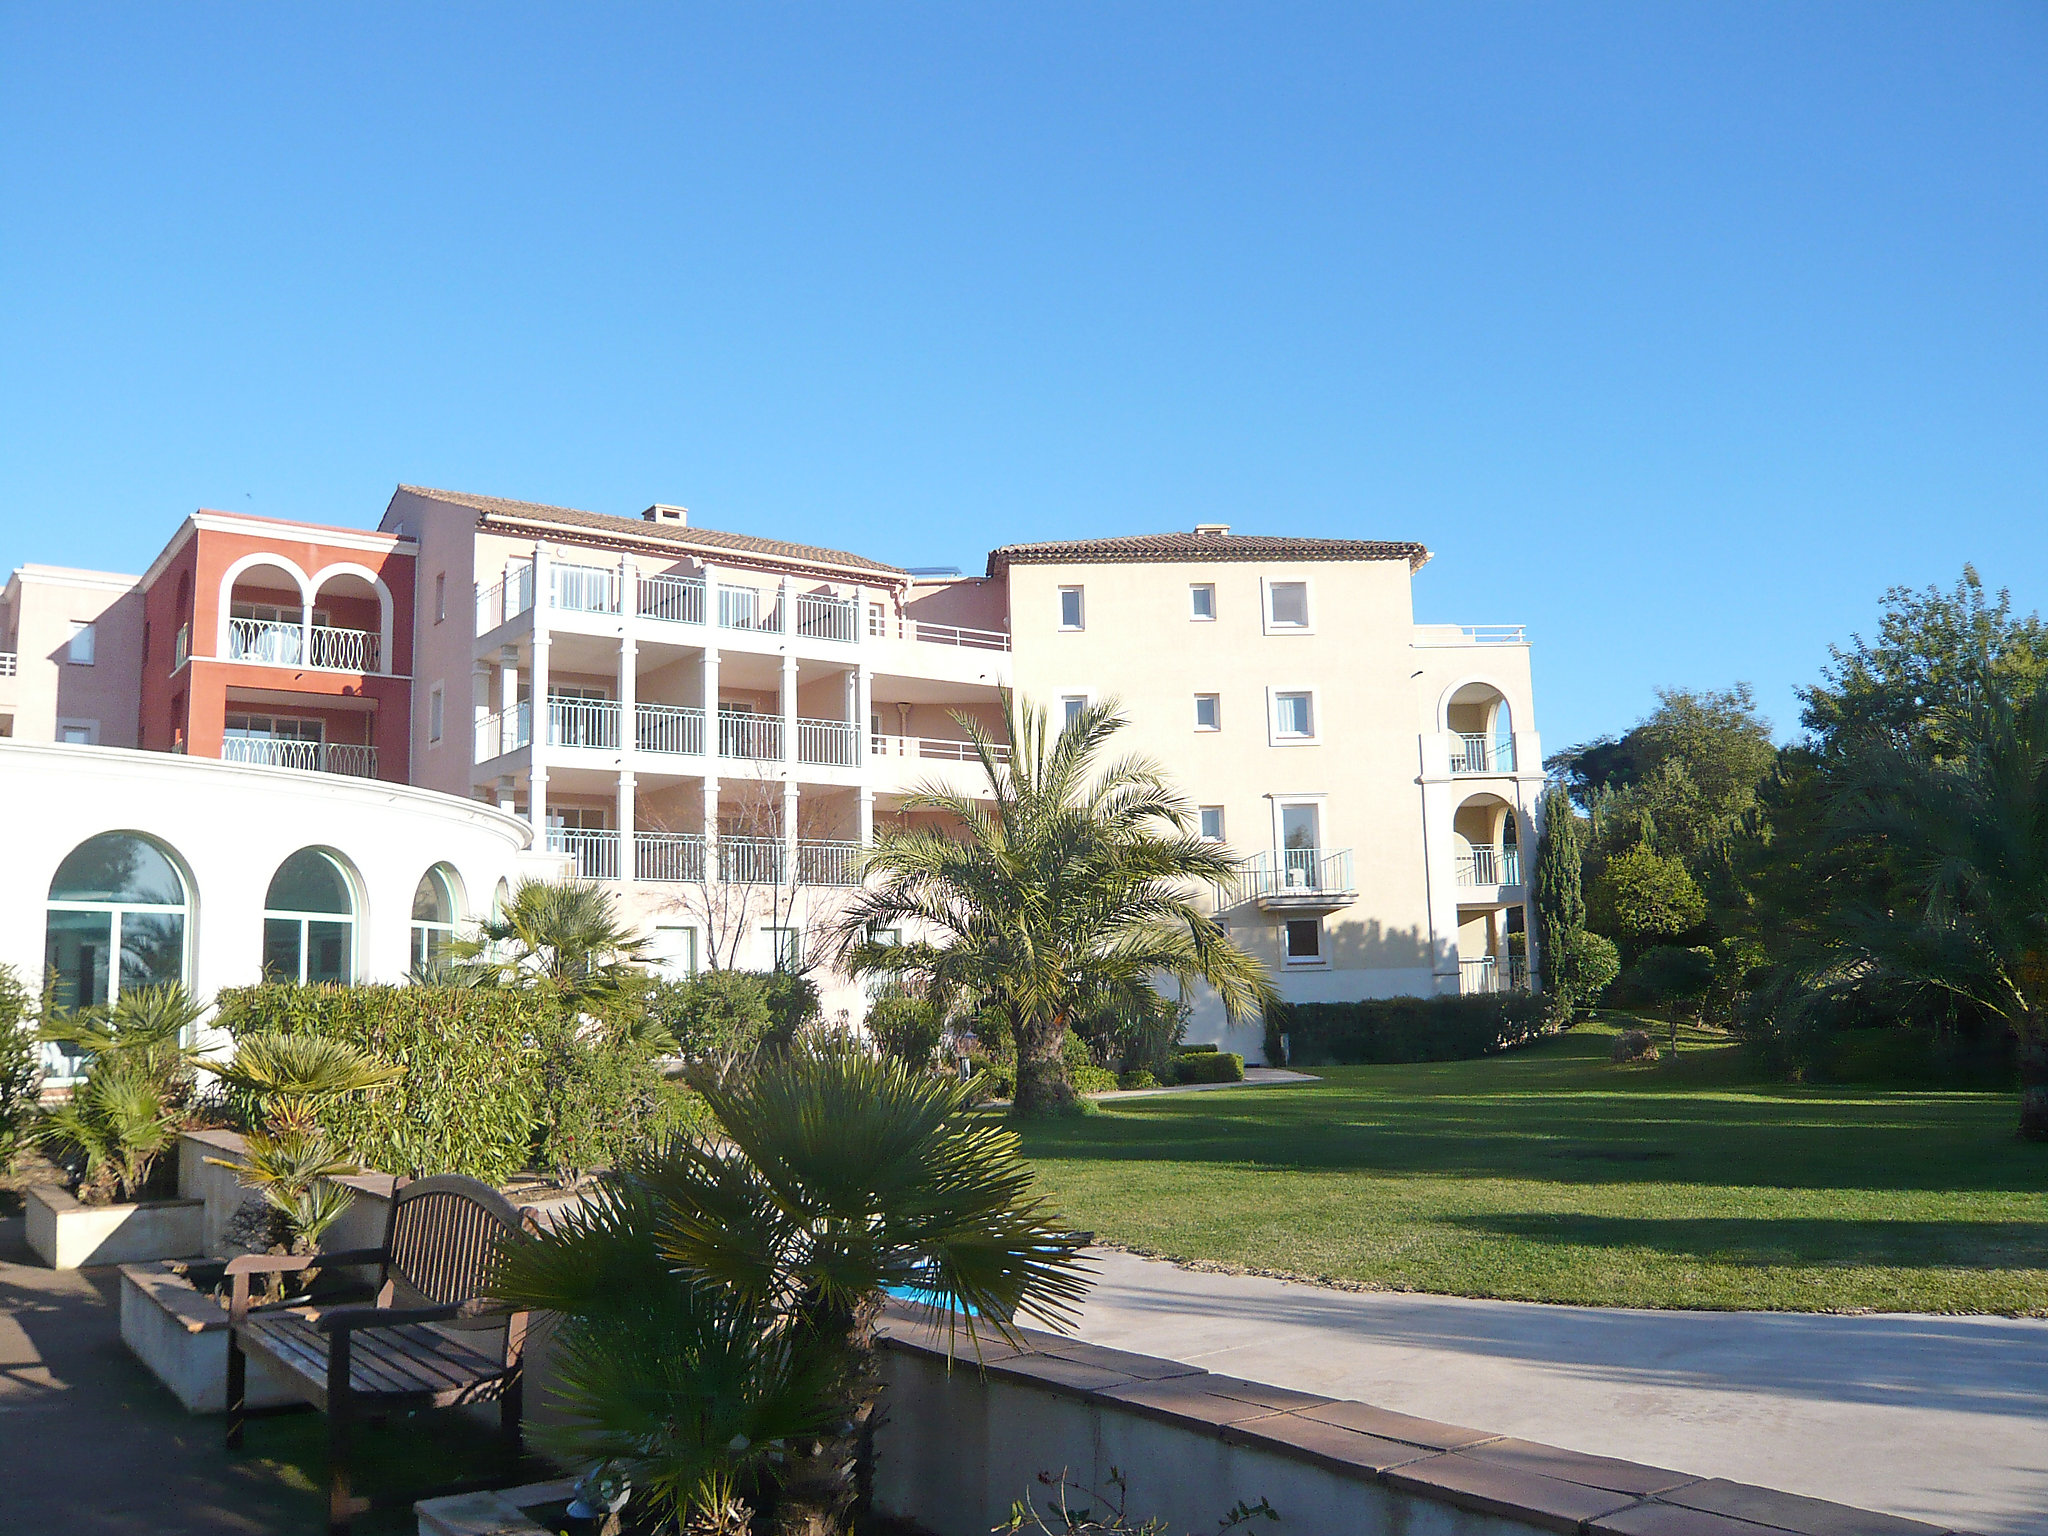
pixel 243 1265
pixel 351 1319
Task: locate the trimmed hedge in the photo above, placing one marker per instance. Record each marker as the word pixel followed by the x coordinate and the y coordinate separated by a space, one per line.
pixel 1209 1066
pixel 1093 1080
pixel 1398 1029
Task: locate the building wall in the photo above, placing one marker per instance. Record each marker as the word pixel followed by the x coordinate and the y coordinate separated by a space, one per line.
pixel 50 690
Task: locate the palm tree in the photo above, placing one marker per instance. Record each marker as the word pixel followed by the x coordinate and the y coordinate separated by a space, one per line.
pixel 567 931
pixel 718 1298
pixel 1057 894
pixel 1967 834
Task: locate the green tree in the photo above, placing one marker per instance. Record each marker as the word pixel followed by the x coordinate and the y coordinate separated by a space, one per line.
pixel 569 932
pixel 718 1300
pixel 1056 893
pixel 1963 814
pixel 1560 897
pixel 1644 896
pixel 19 1067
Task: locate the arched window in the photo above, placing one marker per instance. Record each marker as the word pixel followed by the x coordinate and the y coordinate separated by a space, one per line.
pixel 309 920
pixel 117 919
pixel 434 906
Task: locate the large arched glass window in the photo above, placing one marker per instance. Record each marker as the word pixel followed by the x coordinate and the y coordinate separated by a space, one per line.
pixel 434 906
pixel 117 919
pixel 309 920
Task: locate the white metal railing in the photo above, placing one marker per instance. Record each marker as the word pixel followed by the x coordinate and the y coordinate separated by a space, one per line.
pixel 751 860
pixel 343 650
pixel 1480 754
pixel 181 649
pixel 507 600
pixel 1489 974
pixel 827 743
pixel 668 856
pixel 595 850
pixel 930 747
pixel 671 599
pixel 1494 634
pixel 822 617
pixel 583 723
pixel 747 735
pixel 583 588
pixel 669 728
pixel 1299 872
pixel 828 863
pixel 1490 866
pixel 358 762
pixel 750 608
pixel 267 641
pixel 506 731
pixel 884 626
pixel 7 660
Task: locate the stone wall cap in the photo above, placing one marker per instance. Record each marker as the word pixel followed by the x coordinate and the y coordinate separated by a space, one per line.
pixel 1577 1467
pixel 1489 1488
pixel 1793 1512
pixel 1206 1399
pixel 1655 1519
pixel 1389 1425
pixel 1323 1445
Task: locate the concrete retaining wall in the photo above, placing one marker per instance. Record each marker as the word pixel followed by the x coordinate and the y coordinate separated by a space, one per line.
pixel 67 1235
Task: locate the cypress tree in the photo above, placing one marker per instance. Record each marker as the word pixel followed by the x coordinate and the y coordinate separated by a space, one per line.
pixel 1560 897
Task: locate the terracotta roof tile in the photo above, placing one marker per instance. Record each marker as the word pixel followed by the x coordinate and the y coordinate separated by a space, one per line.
pixel 681 536
pixel 1202 546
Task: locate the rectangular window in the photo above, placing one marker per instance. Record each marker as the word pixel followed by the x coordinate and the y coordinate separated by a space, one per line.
pixel 80 651
pixel 1212 823
pixel 1304 940
pixel 787 946
pixel 76 735
pixel 1287 604
pixel 1070 608
pixel 437 708
pixel 1202 601
pixel 440 597
pixel 1208 712
pixel 675 952
pixel 1294 716
pixel 1071 705
pixel 887 936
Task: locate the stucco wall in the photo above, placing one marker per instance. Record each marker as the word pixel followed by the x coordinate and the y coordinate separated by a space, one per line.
pixel 49 688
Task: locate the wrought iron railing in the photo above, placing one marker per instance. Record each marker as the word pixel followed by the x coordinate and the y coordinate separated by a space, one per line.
pixel 752 861
pixel 357 762
pixel 932 747
pixel 1489 974
pixel 1298 872
pixel 507 600
pixel 671 599
pixel 822 617
pixel 750 608
pixel 668 856
pixel 1490 866
pixel 506 731
pixel 583 723
pixel 1482 754
pixel 583 588
pixel 595 850
pixel 827 743
pixel 669 728
pixel 746 735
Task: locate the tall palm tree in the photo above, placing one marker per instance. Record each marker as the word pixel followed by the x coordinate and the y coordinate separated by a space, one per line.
pixel 718 1298
pixel 1056 893
pixel 569 932
pixel 1967 834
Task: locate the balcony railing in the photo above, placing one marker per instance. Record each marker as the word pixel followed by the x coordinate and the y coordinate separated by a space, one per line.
pixel 884 626
pixel 826 618
pixel 507 600
pixel 595 851
pixel 746 735
pixel 827 863
pixel 1490 866
pixel 752 861
pixel 827 743
pixel 1298 872
pixel 583 588
pixel 750 608
pixel 272 643
pixel 932 747
pixel 506 731
pixel 668 856
pixel 669 728
pixel 357 762
pixel 1481 754
pixel 671 599
pixel 7 660
pixel 590 723
pixel 1489 974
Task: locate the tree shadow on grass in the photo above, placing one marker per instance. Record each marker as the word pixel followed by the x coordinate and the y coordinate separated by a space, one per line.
pixel 1784 1241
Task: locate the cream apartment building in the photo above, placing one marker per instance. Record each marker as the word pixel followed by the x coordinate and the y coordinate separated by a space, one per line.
pixel 70 656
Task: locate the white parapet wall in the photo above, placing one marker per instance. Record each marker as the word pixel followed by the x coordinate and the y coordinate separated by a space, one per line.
pixel 67 1235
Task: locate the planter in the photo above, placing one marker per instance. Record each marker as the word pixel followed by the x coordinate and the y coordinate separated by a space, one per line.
pixel 182 1336
pixel 67 1235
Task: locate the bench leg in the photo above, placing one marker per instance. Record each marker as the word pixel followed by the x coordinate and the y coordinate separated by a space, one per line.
pixel 238 1391
pixel 511 1410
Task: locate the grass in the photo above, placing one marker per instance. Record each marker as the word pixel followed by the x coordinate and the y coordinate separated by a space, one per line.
pixel 1552 1174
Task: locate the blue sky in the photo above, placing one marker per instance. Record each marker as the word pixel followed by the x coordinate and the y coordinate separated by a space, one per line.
pixel 1677 332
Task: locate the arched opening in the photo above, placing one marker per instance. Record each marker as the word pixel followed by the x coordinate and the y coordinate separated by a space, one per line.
pixel 435 905
pixel 1487 841
pixel 264 608
pixel 309 920
pixel 351 621
pixel 1483 730
pixel 118 917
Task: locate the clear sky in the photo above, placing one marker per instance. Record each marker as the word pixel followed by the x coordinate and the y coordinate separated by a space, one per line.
pixel 1677 332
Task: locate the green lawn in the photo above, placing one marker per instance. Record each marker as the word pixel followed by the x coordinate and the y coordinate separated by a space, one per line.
pixel 1552 1175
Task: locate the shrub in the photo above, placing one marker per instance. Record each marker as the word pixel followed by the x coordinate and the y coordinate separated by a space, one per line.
pixel 470 1057
pixel 1633 1045
pixel 1092 1079
pixel 719 1017
pixel 1138 1079
pixel 906 1028
pixel 792 1004
pixel 600 1096
pixel 1209 1066
pixel 18 1062
pixel 994 1078
pixel 1581 965
pixel 1397 1029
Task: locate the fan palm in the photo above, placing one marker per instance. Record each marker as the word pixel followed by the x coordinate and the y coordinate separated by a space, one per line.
pixel 569 932
pixel 1055 894
pixel 146 1027
pixel 116 1123
pixel 1967 833
pixel 719 1297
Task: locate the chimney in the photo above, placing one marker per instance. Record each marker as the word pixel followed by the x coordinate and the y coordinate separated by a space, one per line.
pixel 658 513
pixel 1212 527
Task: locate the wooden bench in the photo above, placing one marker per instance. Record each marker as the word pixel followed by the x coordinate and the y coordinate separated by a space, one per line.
pixel 404 1351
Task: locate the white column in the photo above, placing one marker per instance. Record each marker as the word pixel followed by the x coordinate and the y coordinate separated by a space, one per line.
pixel 629 694
pixel 866 832
pixel 784 598
pixel 788 705
pixel 790 795
pixel 506 796
pixel 627 867
pixel 537 807
pixel 710 697
pixel 864 709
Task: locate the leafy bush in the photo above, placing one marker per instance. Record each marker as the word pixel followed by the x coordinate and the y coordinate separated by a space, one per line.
pixel 907 1028
pixel 18 1062
pixel 1092 1079
pixel 1209 1066
pixel 719 1017
pixel 471 1062
pixel 1138 1079
pixel 1397 1029
pixel 792 1004
pixel 600 1097
pixel 1633 1045
pixel 1580 966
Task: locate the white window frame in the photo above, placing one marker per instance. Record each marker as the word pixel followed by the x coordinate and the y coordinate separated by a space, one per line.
pixel 1222 824
pixel 1317 798
pixel 437 714
pixel 1274 735
pixel 666 962
pixel 1320 959
pixel 1080 610
pixel 90 727
pixel 1067 696
pixel 440 596
pixel 779 936
pixel 83 645
pixel 1308 602
pixel 1215 723
pixel 1194 615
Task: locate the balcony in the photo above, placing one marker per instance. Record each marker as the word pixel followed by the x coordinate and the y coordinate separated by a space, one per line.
pixel 507 731
pixel 750 608
pixel 319 647
pixel 505 601
pixel 882 626
pixel 1489 974
pixel 931 747
pixel 748 736
pixel 670 599
pixel 820 617
pixel 1478 754
pixel 669 728
pixel 357 762
pixel 593 852
pixel 583 588
pixel 1300 880
pixel 668 857
pixel 589 723
pixel 1490 866
pixel 827 743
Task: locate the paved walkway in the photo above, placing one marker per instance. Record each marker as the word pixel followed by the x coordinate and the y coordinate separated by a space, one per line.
pixel 1944 1419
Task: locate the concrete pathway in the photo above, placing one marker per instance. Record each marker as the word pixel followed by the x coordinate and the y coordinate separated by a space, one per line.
pixel 1943 1419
